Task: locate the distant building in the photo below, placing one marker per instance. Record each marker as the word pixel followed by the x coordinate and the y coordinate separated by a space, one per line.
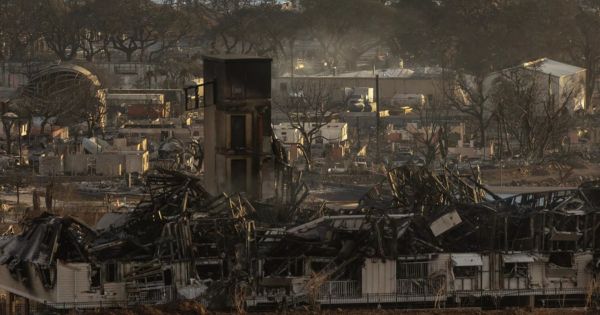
pixel 564 82
pixel 136 106
pixel 397 86
pixel 172 98
pixel 99 157
pixel 331 133
pixel 159 130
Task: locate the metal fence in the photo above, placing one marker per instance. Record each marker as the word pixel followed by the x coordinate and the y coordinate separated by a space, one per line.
pixel 339 289
pixel 423 290
pixel 144 296
pixel 420 286
pixel 151 295
pixel 330 293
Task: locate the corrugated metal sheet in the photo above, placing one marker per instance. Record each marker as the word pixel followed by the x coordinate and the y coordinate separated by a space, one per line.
pixel 445 223
pixel 73 282
pixel 466 260
pixel 379 276
pixel 518 258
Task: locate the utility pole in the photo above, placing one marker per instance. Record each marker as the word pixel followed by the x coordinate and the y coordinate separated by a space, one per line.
pixel 19 142
pixel 377 121
pixel 358 132
pixel 293 64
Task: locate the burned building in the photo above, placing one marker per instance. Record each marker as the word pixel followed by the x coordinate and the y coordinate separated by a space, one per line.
pixel 420 237
pixel 237 117
pixel 62 91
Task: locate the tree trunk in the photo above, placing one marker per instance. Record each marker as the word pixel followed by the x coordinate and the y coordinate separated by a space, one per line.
pixel 307 152
pixel 89 131
pixel 7 133
pixel 29 126
pixel 49 191
pixel 482 138
pixel 590 84
pixel 89 56
pixel 43 126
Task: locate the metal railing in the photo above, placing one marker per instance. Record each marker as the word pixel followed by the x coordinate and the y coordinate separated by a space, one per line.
pixel 412 270
pixel 422 290
pixel 126 68
pixel 140 295
pixel 420 286
pixel 339 289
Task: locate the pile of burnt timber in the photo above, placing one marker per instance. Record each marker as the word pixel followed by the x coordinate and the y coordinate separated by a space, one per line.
pixel 183 242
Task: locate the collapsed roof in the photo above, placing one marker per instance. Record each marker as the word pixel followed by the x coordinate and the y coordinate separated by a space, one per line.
pixel 415 211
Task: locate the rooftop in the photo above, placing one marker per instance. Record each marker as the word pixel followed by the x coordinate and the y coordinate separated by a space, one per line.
pixel 400 73
pixel 235 57
pixel 553 67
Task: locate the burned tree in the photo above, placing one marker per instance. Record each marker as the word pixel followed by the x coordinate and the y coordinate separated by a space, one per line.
pixel 60 27
pixel 8 123
pixel 247 29
pixel 431 132
pixel 534 110
pixel 66 94
pixel 94 38
pixel 18 30
pixel 468 95
pixel 89 108
pixel 584 44
pixel 340 37
pixel 310 107
pixel 137 25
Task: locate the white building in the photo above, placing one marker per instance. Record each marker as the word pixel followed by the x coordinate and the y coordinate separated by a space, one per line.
pixel 101 158
pixel 287 134
pixel 564 82
pixel 331 133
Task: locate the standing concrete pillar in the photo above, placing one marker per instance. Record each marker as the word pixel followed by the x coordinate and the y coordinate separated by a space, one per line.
pixel 532 301
pixel 26 306
pixel 10 301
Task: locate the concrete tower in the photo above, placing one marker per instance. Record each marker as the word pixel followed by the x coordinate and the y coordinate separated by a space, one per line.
pixel 237 117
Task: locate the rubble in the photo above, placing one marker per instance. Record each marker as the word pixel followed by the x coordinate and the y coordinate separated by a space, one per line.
pixel 242 236
pixel 44 240
pixel 224 244
pixel 182 237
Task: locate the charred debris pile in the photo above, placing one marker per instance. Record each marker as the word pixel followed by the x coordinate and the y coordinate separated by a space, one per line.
pixel 244 247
